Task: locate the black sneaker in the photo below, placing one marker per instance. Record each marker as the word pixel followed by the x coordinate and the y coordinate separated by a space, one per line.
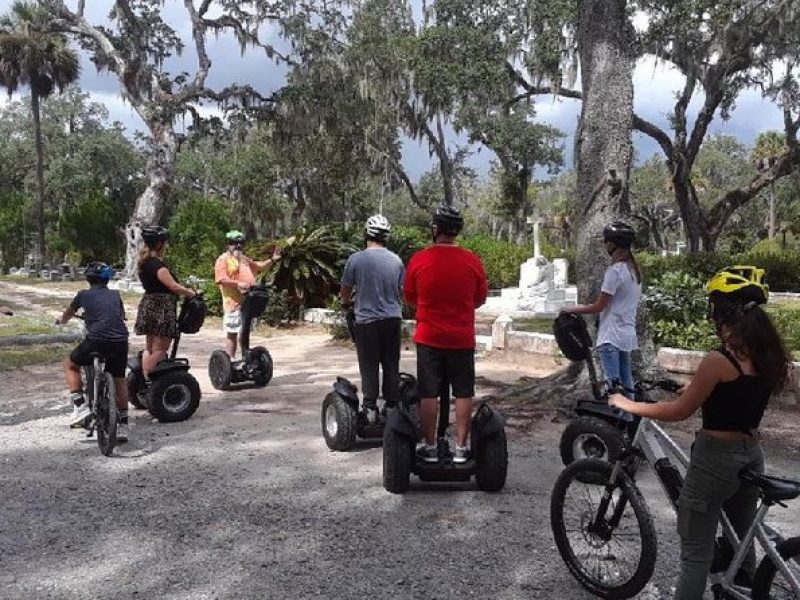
pixel 428 454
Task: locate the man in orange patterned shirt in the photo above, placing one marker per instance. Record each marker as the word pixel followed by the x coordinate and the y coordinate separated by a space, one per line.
pixel 234 273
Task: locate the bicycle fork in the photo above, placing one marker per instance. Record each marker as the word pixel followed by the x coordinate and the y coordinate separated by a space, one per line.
pixel 602 526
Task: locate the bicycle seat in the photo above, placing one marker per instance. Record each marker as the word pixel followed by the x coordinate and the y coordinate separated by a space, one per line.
pixel 774 489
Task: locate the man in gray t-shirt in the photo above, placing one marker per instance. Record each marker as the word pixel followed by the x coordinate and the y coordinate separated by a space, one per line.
pixel 376 274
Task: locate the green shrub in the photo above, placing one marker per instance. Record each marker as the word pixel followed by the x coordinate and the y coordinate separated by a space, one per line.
pixel 501 260
pixel 677 305
pixel 786 318
pixel 337 330
pixel 197 234
pixel 782 267
pixel 213 298
pixel 310 266
pixel 278 310
pixel 405 241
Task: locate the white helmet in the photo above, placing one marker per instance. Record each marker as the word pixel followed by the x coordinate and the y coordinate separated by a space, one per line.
pixel 377 228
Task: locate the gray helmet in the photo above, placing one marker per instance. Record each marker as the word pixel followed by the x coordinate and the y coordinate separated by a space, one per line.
pixel 448 220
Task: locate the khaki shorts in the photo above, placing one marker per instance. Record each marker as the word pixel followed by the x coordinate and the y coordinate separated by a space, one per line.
pixel 232 321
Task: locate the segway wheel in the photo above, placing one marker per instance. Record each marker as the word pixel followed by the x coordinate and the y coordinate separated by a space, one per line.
pixel 398 457
pixel 137 394
pixel 174 397
pixel 492 463
pixel 339 422
pixel 219 370
pixel 264 358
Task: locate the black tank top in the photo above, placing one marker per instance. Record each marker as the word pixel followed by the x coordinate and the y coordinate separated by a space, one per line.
pixel 736 405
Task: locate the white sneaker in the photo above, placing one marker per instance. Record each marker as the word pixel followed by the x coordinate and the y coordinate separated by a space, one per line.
pixel 79 415
pixel 122 433
pixel 461 455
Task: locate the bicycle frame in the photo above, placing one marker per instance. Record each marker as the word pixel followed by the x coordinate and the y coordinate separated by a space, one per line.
pixel 654 443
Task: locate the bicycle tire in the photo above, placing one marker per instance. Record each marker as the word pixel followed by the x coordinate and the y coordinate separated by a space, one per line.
pixel 589 472
pixel 106 414
pixel 764 579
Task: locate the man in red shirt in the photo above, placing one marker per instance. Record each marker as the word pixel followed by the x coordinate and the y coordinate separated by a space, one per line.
pixel 446 283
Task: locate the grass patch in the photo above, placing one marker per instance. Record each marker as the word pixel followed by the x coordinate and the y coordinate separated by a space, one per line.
pixel 536 325
pixel 24 356
pixel 12 326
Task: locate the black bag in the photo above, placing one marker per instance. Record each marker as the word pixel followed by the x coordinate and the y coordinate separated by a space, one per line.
pixel 255 302
pixel 572 336
pixel 192 315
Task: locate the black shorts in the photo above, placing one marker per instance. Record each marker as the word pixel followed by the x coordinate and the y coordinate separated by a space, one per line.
pixel 115 353
pixel 437 365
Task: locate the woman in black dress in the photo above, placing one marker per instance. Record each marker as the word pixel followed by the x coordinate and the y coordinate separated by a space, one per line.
pixel 157 315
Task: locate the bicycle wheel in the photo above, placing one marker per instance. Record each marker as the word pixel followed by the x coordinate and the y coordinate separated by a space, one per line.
pixel 769 583
pixel 106 414
pixel 608 546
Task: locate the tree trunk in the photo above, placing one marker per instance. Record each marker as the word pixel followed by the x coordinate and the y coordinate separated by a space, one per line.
pixel 603 144
pixel 691 215
pixel 37 134
pixel 605 45
pixel 150 204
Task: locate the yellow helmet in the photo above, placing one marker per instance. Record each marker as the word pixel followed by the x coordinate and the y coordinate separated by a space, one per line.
pixel 744 283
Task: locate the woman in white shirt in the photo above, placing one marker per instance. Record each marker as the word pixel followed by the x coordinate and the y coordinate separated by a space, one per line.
pixel 617 304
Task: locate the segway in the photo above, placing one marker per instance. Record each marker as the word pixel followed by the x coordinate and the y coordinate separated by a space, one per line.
pixel 488 462
pixel 172 394
pixel 256 363
pixel 597 430
pixel 343 421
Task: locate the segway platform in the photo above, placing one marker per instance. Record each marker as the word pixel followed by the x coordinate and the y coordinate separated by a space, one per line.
pixel 488 462
pixel 344 420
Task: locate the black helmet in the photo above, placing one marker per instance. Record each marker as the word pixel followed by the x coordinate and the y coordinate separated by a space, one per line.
pixel 98 272
pixel 620 234
pixel 154 236
pixel 448 220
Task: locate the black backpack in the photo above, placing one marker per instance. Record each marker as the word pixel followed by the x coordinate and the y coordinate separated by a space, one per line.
pixel 192 315
pixel 572 336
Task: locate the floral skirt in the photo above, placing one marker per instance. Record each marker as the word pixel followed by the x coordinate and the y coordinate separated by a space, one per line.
pixel 157 315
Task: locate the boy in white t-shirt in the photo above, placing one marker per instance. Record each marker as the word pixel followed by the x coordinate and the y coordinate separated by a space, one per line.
pixel 617 304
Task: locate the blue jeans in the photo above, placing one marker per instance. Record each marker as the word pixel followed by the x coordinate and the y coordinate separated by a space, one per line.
pixel 616 364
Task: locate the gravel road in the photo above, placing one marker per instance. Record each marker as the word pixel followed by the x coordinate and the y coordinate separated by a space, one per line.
pixel 244 500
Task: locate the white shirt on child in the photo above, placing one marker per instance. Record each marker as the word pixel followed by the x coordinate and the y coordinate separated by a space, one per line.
pixel 618 319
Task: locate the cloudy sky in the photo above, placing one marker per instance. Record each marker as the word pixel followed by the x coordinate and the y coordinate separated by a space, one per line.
pixel 655 86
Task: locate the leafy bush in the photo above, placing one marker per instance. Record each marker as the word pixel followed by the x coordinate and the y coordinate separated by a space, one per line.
pixel 677 305
pixel 278 310
pixel 91 227
pixel 405 241
pixel 786 318
pixel 501 260
pixel 310 266
pixel 782 267
pixel 197 234
pixel 213 298
pixel 337 330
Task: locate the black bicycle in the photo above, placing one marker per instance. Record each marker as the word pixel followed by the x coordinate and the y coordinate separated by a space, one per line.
pixel 100 393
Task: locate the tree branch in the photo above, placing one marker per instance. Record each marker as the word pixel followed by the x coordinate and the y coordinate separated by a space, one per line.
pixel 655 132
pixel 733 199
pixel 532 90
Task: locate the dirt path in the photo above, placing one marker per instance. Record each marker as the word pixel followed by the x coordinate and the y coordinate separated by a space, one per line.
pixel 245 501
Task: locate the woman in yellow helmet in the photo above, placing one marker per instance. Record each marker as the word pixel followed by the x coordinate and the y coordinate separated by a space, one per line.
pixel 732 387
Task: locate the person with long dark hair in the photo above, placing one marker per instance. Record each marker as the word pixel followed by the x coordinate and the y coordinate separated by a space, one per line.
pixel 156 318
pixel 617 305
pixel 732 387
